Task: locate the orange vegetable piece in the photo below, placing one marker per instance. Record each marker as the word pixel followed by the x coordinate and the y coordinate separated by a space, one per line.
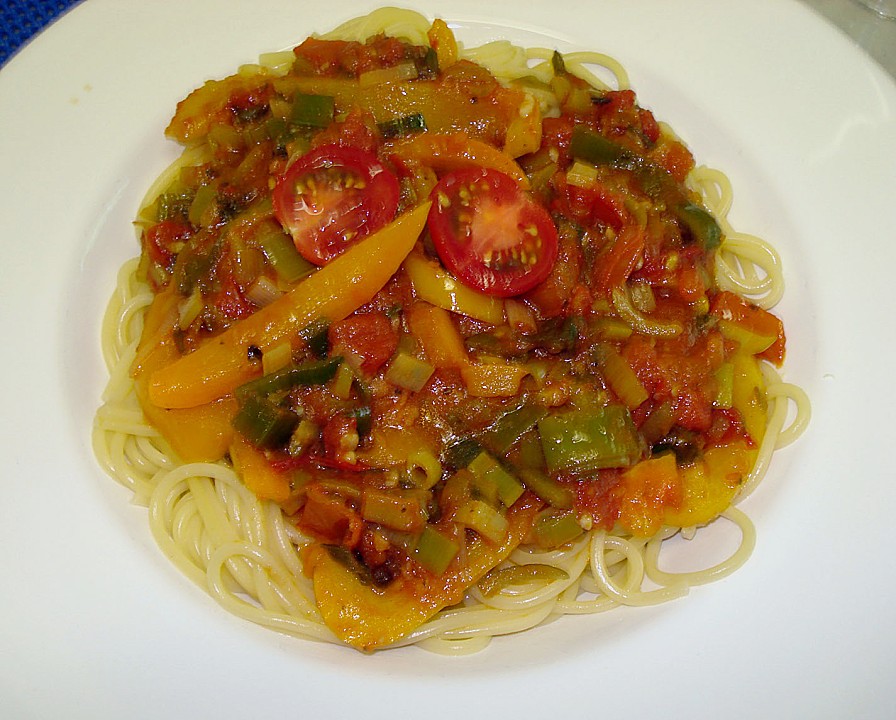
pixel 442 40
pixel 257 474
pixel 369 618
pixel 647 490
pixel 208 106
pixel 733 308
pixel 198 434
pixel 445 152
pixel 441 341
pixel 709 485
pixel 493 379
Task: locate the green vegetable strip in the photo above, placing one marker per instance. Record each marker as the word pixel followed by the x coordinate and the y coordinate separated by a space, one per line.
pixel 557 64
pixel 315 372
pixel 594 148
pixel 619 376
pixel 486 468
pixel 401 511
pixel 409 372
pixel 317 337
pixel 588 440
pixel 174 205
pixel 703 227
pixel 502 435
pixel 462 453
pixel 263 423
pixel 725 385
pixel 312 110
pixel 402 126
pixel 497 580
pixel 553 529
pixel 548 489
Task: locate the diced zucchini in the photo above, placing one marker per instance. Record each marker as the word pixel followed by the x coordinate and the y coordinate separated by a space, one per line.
pixel 548 489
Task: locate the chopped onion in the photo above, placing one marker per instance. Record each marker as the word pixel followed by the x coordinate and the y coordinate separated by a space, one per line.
pixel 263 292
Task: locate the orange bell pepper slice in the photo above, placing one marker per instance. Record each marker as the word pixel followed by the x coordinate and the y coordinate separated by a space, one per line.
pixel 368 618
pixel 444 152
pixel 441 39
pixel 731 308
pixel 197 434
pixel 257 474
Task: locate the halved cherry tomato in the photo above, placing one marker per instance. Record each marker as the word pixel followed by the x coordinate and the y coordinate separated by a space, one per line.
pixel 332 197
pixel 490 234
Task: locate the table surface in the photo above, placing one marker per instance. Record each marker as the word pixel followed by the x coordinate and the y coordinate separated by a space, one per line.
pixel 21 20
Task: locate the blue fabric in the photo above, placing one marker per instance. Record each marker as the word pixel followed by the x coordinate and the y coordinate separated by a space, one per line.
pixel 20 20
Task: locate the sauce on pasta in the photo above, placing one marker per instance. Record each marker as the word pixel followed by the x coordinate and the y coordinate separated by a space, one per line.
pixel 426 344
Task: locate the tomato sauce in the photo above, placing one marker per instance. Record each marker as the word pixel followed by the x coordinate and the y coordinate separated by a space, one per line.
pixel 561 346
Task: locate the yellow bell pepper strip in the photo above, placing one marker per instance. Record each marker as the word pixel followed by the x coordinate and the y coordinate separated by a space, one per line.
pixel 748 395
pixel 199 434
pixel 442 40
pixel 436 286
pixel 196 434
pixel 455 151
pixel 493 379
pixel 645 492
pixel 334 292
pixel 369 618
pixel 436 332
pixel 207 106
pixel 463 97
pixel 523 135
pixel 257 474
pixel 444 348
pixel 710 484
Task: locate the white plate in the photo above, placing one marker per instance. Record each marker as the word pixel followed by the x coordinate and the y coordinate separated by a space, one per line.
pixel 94 622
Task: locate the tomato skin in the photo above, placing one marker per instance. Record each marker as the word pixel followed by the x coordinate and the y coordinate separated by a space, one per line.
pixel 162 241
pixel 588 206
pixel 370 337
pixel 351 58
pixel 332 197
pixel 491 234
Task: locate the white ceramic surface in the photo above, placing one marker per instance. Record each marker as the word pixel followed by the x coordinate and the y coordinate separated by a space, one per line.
pixel 94 622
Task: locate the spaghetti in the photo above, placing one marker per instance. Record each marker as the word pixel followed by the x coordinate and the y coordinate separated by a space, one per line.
pixel 258 551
